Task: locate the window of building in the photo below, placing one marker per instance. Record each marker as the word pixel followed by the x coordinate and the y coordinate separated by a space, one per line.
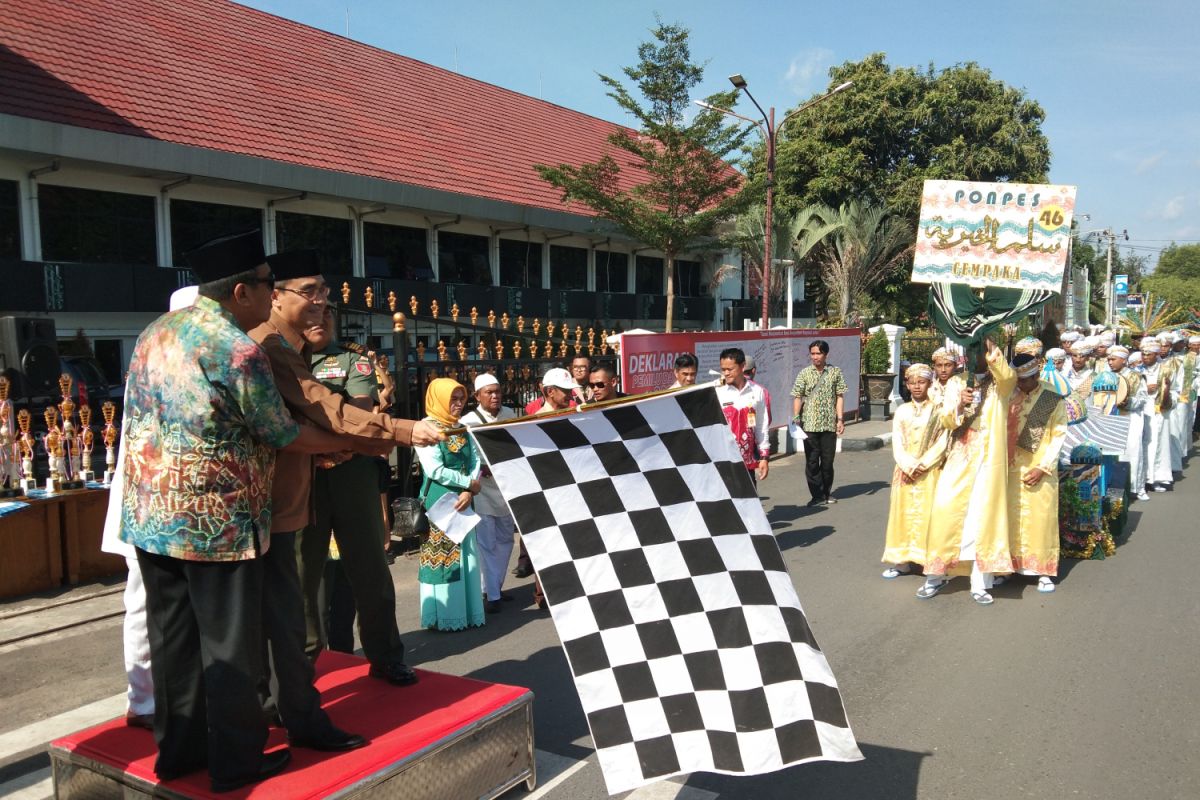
pixel 612 271
pixel 193 223
pixel 10 220
pixel 520 264
pixel 463 258
pixel 332 238
pixel 568 267
pixel 94 227
pixel 687 278
pixel 648 273
pixel 396 251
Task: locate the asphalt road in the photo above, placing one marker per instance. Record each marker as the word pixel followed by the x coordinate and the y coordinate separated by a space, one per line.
pixel 1089 692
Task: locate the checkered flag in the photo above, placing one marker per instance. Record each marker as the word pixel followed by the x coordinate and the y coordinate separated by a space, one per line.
pixel 683 630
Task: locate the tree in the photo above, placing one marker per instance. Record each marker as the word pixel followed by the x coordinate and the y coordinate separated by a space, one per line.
pixel 688 189
pixel 853 249
pixel 1176 279
pixel 898 127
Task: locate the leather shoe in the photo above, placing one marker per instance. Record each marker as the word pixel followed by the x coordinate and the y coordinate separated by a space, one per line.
pixel 145 721
pixel 523 571
pixel 335 741
pixel 492 607
pixel 396 673
pixel 272 763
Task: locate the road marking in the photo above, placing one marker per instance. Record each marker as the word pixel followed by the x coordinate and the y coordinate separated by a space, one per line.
pixel 37 735
pixel 36 785
pixel 553 770
pixel 669 790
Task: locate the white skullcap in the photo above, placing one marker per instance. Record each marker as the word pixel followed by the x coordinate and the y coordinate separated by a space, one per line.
pixel 1119 350
pixel 1107 338
pixel 1056 354
pixel 1167 338
pixel 1135 358
pixel 1151 345
pixel 1070 336
pixel 182 298
pixel 486 379
pixel 1194 340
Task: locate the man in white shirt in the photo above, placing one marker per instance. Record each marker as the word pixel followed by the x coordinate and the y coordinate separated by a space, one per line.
pixel 494 533
pixel 745 406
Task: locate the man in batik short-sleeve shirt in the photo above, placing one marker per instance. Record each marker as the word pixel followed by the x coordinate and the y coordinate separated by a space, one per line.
pixel 203 421
pixel 817 406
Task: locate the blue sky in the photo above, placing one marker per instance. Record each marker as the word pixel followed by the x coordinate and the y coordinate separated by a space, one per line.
pixel 1119 79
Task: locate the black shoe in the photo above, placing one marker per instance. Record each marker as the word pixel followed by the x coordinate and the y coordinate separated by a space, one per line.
pixel 816 501
pixel 492 607
pixel 523 571
pixel 396 673
pixel 272 764
pixel 335 741
pixel 144 721
pixel 829 501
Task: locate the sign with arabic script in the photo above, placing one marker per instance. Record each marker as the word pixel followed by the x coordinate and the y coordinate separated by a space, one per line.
pixel 1010 235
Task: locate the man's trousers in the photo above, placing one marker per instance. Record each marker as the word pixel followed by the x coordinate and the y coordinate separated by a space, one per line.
pixel 819 449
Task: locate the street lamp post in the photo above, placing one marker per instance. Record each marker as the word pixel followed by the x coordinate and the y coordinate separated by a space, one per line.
pixel 768 132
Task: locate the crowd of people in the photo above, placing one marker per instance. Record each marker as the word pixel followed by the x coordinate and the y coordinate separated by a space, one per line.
pixel 975 487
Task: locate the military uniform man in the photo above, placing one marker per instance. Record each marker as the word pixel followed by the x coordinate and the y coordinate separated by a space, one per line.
pixel 346 500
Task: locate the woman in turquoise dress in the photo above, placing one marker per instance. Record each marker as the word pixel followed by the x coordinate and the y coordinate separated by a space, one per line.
pixel 451 597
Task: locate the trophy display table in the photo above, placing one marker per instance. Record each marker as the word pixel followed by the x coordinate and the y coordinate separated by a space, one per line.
pixel 55 539
pixel 446 737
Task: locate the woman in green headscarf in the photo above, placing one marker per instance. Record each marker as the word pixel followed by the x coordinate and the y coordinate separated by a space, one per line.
pixel 451 598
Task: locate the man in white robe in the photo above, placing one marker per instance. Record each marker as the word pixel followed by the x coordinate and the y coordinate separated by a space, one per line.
pixel 1160 396
pixel 1132 409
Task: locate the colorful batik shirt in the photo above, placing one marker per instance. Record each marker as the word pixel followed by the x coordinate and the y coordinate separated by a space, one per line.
pixel 203 422
pixel 820 391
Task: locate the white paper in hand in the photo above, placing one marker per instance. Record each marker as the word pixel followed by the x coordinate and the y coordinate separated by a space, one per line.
pixel 455 524
pixel 795 431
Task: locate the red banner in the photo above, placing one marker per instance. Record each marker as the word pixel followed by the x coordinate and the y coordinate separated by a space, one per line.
pixel 648 360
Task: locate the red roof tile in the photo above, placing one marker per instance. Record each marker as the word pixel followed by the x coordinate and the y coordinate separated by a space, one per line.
pixel 214 74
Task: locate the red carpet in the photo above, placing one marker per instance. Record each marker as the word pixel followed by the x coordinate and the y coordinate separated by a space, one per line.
pixel 398 721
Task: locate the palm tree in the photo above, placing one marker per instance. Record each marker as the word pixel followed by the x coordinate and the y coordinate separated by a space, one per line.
pixel 852 249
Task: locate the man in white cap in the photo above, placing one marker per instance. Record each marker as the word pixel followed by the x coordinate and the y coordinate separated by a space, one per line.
pixel 1160 397
pixel 139 694
pixel 1080 377
pixel 1132 408
pixel 1067 339
pixel 494 534
pixel 1037 428
pixel 1104 340
pixel 945 383
pixel 557 390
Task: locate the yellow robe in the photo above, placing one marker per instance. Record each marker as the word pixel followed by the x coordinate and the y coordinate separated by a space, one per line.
pixel 1033 512
pixel 970 523
pixel 918 439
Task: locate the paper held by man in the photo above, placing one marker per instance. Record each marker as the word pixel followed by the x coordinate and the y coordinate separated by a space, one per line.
pixel 1014 236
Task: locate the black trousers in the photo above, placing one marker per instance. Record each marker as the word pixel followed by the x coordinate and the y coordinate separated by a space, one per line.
pixel 205 626
pixel 347 504
pixel 292 674
pixel 819 448
pixel 337 604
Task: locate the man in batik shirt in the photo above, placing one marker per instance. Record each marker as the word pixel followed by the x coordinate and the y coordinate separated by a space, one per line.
pixel 817 404
pixel 203 422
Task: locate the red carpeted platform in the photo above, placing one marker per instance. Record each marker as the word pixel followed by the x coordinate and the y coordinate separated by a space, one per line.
pixel 473 726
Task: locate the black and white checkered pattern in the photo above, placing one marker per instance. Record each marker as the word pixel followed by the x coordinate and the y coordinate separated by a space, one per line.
pixel 685 636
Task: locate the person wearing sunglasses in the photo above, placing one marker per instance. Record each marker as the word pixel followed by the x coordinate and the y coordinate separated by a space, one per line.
pixel 602 382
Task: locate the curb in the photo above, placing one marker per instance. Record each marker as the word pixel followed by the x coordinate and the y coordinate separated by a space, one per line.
pixel 868 443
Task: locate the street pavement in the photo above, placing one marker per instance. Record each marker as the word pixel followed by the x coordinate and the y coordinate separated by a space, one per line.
pixel 1088 692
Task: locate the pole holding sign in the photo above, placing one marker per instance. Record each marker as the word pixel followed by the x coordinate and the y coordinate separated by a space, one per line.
pixel 1006 235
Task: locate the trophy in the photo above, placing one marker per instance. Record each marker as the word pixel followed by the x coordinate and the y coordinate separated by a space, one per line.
pixel 86 442
pixel 10 447
pixel 52 443
pixel 70 438
pixel 109 436
pixel 25 444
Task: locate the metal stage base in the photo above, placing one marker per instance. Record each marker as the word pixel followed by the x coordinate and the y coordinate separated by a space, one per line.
pixel 477 757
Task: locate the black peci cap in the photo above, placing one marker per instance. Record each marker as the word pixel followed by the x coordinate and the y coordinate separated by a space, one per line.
pixel 292 264
pixel 227 255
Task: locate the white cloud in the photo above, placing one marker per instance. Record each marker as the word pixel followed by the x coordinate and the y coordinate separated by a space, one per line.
pixel 1174 208
pixel 807 70
pixel 1148 163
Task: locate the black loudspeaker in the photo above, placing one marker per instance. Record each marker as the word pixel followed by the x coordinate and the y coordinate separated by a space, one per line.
pixel 29 355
